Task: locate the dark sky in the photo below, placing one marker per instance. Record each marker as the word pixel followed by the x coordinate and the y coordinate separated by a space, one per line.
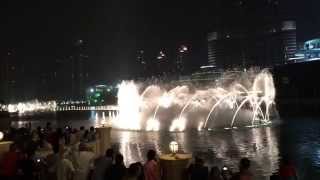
pixel 42 30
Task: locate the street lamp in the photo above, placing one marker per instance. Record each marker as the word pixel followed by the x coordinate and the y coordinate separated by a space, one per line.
pixel 173 147
pixel 1 135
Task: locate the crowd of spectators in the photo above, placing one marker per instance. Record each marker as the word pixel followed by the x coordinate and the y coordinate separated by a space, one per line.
pixel 65 154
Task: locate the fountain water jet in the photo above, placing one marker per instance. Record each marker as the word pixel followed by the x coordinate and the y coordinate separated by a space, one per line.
pixel 240 96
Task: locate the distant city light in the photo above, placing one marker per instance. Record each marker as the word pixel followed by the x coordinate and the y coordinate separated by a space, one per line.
pixel 299 55
pixel 296 58
pixel 32 106
pixel 209 66
pixel 185 48
pixel 161 55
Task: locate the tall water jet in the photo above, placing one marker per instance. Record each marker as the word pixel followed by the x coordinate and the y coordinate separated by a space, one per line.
pixel 129 102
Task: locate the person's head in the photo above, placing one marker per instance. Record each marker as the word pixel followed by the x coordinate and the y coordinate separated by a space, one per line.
pixel 151 155
pixel 244 164
pixel 91 129
pixel 109 153
pixel 82 128
pixel 119 159
pixel 86 133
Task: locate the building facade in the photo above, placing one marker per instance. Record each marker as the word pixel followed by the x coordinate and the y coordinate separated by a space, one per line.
pixel 250 33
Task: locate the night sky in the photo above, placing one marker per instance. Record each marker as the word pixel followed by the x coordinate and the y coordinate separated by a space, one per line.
pixel 41 31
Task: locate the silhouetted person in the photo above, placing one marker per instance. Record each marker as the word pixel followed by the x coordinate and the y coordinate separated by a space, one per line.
pixel 92 134
pixel 133 172
pixel 118 170
pixel 85 137
pixel 102 165
pixel 244 173
pixel 151 168
pixel 85 159
pixel 198 170
pixel 140 170
pixel 27 166
pixel 9 164
pixel 48 128
pixel 215 174
pixel 287 170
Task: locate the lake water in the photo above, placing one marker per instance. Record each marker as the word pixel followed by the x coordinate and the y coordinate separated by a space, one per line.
pixel 298 139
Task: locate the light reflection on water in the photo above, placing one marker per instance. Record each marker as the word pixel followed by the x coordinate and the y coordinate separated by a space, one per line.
pixel 217 148
pixel 264 146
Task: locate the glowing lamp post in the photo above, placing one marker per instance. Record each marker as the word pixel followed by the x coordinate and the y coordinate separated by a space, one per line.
pixel 173 165
pixel 174 147
pixel 4 145
pixel 1 135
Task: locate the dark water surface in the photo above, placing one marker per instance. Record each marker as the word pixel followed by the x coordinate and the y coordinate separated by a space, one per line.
pixel 298 139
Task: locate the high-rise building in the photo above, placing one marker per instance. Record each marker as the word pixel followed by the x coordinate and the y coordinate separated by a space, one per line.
pixel 162 63
pixel 69 75
pixel 250 33
pixel 289 38
pixel 181 60
pixel 140 57
pixel 225 49
pixel 79 70
pixel 11 77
